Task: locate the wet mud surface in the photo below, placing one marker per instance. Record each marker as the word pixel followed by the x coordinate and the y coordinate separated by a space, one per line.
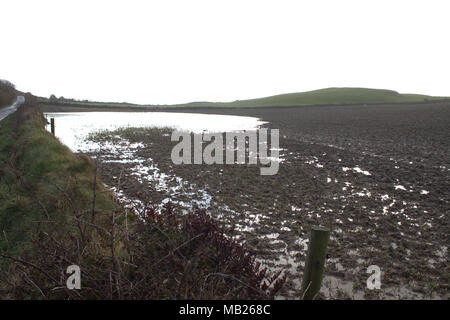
pixel 378 176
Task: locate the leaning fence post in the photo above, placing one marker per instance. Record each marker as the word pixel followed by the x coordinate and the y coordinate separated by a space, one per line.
pixel 315 261
pixel 52 125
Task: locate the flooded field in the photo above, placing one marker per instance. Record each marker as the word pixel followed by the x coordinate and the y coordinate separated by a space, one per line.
pixel 378 176
pixel 74 127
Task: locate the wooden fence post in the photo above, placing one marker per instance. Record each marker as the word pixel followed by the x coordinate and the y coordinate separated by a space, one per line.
pixel 52 125
pixel 315 261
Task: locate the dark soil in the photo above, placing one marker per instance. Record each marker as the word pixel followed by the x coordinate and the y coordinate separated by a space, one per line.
pixel 392 212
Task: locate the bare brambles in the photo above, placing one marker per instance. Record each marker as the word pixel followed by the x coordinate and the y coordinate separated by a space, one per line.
pixel 162 256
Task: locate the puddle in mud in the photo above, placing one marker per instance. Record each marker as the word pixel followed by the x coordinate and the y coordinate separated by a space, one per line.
pixel 73 128
pixel 280 243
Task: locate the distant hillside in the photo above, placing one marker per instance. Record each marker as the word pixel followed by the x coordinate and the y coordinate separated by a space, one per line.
pixel 329 96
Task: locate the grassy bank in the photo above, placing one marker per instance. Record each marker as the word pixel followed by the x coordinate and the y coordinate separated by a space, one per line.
pixel 36 169
pixel 329 96
pixel 55 212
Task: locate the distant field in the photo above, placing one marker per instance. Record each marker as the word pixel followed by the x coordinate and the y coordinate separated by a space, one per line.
pixel 329 96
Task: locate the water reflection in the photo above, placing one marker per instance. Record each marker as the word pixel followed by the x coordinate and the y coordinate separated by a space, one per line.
pixel 73 128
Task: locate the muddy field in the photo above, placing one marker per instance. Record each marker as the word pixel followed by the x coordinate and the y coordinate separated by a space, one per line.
pixel 378 176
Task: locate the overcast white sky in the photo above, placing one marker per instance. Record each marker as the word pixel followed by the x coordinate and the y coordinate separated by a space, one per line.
pixel 179 51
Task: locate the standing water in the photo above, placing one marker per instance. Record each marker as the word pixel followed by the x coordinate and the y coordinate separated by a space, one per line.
pixel 72 129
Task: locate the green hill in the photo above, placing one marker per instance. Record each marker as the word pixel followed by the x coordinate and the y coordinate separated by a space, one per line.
pixel 329 96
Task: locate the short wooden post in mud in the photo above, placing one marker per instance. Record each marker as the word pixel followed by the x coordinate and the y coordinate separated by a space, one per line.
pixel 52 125
pixel 315 261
